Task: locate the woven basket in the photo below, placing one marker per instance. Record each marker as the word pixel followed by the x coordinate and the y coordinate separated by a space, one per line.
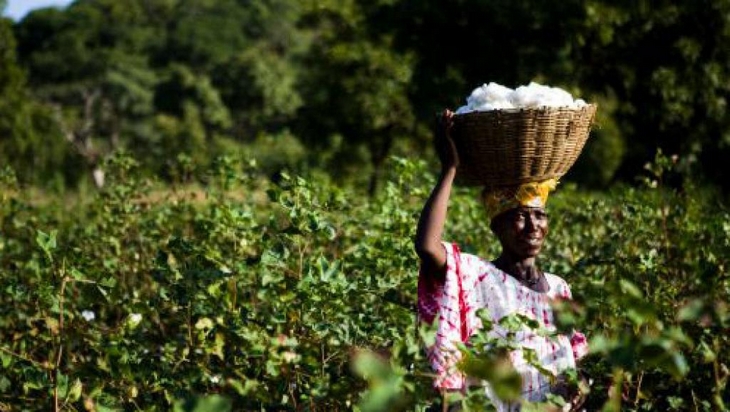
pixel 508 147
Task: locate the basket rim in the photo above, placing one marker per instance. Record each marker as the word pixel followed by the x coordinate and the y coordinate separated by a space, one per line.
pixel 519 110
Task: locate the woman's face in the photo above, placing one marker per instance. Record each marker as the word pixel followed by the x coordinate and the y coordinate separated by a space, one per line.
pixel 522 231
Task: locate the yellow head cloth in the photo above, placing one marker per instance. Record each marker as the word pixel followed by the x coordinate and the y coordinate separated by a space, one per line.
pixel 532 194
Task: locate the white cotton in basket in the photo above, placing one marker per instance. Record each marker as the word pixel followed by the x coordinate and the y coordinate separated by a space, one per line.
pixel 494 96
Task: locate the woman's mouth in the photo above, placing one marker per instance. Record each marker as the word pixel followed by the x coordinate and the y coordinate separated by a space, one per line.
pixel 533 241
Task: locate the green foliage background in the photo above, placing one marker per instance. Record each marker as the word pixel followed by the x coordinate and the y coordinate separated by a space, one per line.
pixel 209 205
pixel 353 81
pixel 300 294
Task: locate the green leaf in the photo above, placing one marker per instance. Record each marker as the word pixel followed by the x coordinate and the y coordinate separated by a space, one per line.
pixel 204 324
pixel 109 282
pixel 74 393
pixel 708 355
pixel 495 367
pixel 211 403
pixel 245 388
pixel 77 275
pixel 677 366
pixel 691 311
pixel 4 384
pixel 630 289
pixel 6 359
pixel 47 242
pixel 368 366
pixel 62 385
pixel 385 384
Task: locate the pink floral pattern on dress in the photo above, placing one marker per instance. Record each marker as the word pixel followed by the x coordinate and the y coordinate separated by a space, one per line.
pixel 472 283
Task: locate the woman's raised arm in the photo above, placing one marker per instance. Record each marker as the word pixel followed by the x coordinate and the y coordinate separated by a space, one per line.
pixel 433 216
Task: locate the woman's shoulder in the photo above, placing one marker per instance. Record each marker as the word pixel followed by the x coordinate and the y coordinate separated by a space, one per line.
pixel 476 259
pixel 468 261
pixel 554 278
pixel 558 285
pixel 465 255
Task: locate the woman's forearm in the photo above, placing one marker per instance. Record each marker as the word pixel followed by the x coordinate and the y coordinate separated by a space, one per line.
pixel 431 224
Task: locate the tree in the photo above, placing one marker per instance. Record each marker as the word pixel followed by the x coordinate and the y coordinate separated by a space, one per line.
pixel 356 87
pixel 259 83
pixel 89 63
pixel 666 61
pixel 204 33
pixel 190 116
pixel 29 139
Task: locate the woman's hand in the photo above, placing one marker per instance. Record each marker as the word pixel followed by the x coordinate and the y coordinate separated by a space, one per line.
pixel 445 146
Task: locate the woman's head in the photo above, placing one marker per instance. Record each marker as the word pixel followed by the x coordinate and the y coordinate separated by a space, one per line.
pixel 521 231
pixel 518 217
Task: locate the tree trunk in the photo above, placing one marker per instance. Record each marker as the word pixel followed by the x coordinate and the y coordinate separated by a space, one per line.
pixel 378 155
pixel 81 138
pixel 98 175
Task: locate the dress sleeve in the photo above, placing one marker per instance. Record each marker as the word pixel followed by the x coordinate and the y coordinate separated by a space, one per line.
pixel 579 344
pixel 444 301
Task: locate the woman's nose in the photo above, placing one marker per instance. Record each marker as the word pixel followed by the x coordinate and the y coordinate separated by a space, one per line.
pixel 531 223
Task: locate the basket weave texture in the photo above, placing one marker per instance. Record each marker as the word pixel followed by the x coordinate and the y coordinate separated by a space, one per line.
pixel 508 147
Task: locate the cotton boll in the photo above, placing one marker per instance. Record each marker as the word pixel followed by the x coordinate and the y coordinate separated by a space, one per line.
pixel 556 100
pixel 488 97
pixel 88 315
pixel 479 97
pixel 464 109
pixel 560 97
pixel 497 94
pixel 578 104
pixel 526 96
pixel 538 95
pixel 545 96
pixel 502 104
pixel 494 96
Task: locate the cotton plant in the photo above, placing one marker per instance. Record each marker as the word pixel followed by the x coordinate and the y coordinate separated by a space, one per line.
pixel 494 96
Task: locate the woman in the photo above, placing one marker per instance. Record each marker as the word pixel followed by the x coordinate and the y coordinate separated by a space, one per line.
pixel 453 286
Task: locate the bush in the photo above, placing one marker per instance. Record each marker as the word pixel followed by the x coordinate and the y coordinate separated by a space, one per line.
pixel 300 295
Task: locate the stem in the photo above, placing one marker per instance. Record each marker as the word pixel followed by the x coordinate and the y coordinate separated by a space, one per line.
pixel 59 348
pixel 638 389
pixel 291 391
pixel 615 392
pixel 720 381
pixel 694 401
pixel 190 326
pixel 19 356
pixel 321 351
pixel 301 261
pixel 665 228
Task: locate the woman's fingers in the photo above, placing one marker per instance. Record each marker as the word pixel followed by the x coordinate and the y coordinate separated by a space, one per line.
pixel 444 143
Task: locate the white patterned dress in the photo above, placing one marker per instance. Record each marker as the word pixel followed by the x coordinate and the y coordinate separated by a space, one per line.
pixel 472 283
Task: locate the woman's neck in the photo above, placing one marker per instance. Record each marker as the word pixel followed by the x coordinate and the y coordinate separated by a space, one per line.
pixel 518 265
